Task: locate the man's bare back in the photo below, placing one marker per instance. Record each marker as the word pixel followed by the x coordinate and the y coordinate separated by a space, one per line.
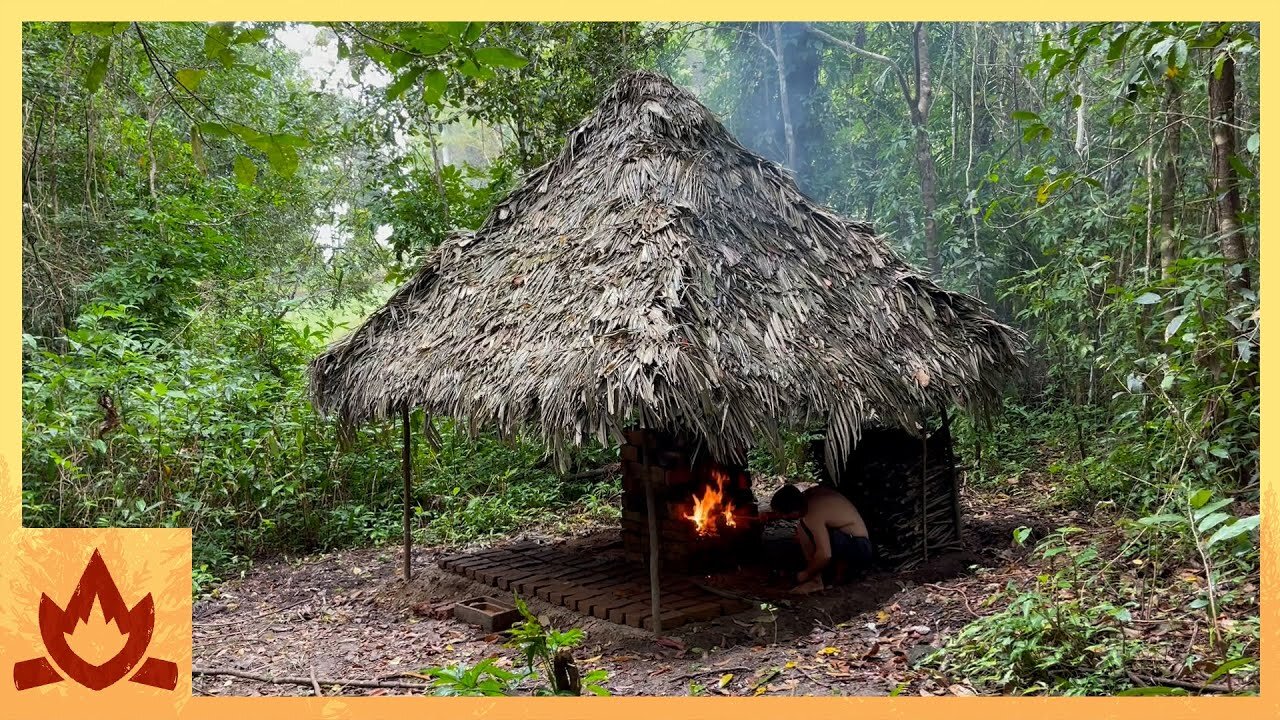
pixel 827 508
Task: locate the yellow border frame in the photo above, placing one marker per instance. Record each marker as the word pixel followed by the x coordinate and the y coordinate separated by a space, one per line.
pixel 117 705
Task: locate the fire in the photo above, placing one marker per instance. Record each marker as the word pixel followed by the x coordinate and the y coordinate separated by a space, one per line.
pixel 712 507
pixel 95 638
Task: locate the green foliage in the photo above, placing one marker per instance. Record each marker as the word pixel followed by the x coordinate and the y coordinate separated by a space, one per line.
pixel 1060 637
pixel 539 645
pixel 483 679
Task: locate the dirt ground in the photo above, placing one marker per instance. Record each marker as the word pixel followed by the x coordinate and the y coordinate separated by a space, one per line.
pixel 347 616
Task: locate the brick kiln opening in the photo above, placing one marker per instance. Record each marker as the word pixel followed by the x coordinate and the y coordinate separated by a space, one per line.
pixel 706 515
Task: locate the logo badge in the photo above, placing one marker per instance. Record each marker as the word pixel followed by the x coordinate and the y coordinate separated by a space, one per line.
pixel 59 628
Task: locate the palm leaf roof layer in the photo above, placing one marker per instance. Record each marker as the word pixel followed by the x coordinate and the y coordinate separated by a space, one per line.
pixel 659 274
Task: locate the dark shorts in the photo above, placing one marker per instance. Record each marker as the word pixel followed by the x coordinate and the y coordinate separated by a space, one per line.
pixel 855 553
pixel 851 556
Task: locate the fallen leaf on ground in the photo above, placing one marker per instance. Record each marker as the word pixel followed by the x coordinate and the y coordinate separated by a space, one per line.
pixel 961 690
pixel 725 679
pixel 828 650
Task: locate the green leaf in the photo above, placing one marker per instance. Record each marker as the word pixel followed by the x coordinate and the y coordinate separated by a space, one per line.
pixel 1116 48
pixel 100 29
pixel 1025 116
pixel 1174 324
pixel 1239 527
pixel 246 171
pixel 213 129
pixel 471 69
pixel 1212 521
pixel 1076 101
pixel 500 57
pixel 251 35
pixel 428 43
pixel 98 71
pixel 1200 497
pixel 1228 666
pixel 1179 56
pixel 474 31
pixel 1149 298
pixel 1253 143
pixel 404 82
pixel 190 78
pixel 283 159
pixel 217 40
pixel 433 86
pixel 456 30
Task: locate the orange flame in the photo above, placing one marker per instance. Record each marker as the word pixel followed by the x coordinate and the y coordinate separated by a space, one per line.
pixel 712 506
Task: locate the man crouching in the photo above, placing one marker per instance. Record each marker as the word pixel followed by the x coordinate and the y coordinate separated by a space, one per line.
pixel 830 532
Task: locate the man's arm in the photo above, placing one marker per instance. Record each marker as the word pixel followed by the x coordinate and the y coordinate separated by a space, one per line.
pixel 821 550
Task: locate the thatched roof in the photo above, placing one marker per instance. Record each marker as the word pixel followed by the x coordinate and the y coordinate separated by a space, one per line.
pixel 659 274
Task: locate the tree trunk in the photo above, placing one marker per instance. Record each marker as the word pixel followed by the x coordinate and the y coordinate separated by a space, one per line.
pixel 1169 177
pixel 788 130
pixel 1223 180
pixel 924 150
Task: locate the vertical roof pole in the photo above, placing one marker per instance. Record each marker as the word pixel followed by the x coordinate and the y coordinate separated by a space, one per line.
pixel 924 488
pixel 406 461
pixel 655 596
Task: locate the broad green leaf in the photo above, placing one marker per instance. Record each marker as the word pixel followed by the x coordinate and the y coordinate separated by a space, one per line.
pixel 404 82
pixel 1173 326
pixel 246 171
pixel 456 30
pixel 1179 56
pixel 100 29
pixel 1239 527
pixel 500 57
pixel 433 86
pixel 1212 521
pixel 1200 497
pixel 428 43
pixel 190 78
pixel 217 40
pixel 1025 116
pixel 98 71
pixel 251 35
pixel 1211 507
pixel 213 129
pixel 471 69
pixel 1253 143
pixel 1149 298
pixel 283 159
pixel 1230 665
pixel 474 31
pixel 1116 48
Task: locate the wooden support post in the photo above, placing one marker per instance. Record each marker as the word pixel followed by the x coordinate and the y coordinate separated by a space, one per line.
pixel 655 593
pixel 406 461
pixel 924 490
pixel 956 516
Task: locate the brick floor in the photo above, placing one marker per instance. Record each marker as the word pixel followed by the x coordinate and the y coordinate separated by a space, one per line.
pixel 598 583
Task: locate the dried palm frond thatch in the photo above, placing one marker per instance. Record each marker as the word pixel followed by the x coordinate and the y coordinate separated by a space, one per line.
pixel 659 274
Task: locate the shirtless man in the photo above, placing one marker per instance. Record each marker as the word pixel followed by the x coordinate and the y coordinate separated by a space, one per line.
pixel 830 531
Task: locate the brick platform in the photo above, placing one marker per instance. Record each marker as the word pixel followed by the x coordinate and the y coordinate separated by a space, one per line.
pixel 598 583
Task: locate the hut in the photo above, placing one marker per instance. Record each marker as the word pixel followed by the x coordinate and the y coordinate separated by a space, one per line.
pixel 659 286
